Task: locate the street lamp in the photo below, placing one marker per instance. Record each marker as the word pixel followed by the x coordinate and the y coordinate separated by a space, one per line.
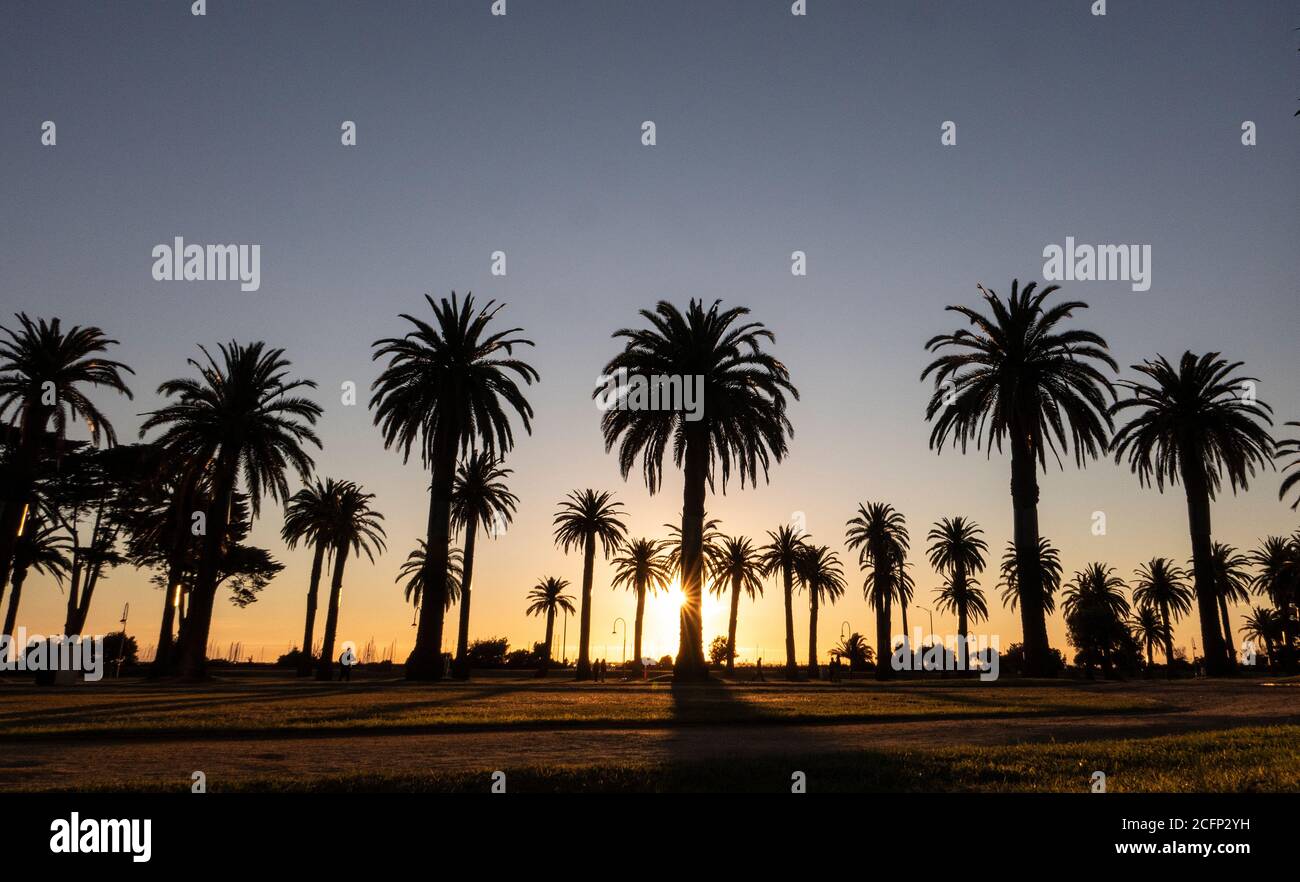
pixel 615 631
pixel 844 626
pixel 931 612
pixel 564 643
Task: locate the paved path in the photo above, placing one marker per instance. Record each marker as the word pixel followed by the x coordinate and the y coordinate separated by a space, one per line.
pixel 69 764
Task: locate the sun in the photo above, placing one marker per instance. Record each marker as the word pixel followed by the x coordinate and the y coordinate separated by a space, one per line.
pixel 663 611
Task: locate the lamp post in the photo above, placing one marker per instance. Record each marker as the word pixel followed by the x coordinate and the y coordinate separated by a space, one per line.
pixel 926 609
pixel 615 631
pixel 844 626
pixel 564 642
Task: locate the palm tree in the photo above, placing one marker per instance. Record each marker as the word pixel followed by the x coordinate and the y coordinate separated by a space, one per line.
pixel 42 548
pixel 1290 446
pixel 309 516
pixel 583 519
pixel 1017 377
pixel 356 528
pixel 779 556
pixel 736 562
pixel 1096 593
pixel 243 415
pixel 856 649
pixel 43 372
pixel 957 551
pixel 1232 582
pixel 641 567
pixel 819 572
pixel 1191 425
pixel 412 570
pixel 448 387
pixel 478 496
pixel 1162 586
pixel 879 533
pixel 1048 568
pixel 548 598
pixel 1148 630
pixel 742 423
pixel 1264 625
pixel 711 536
pixel 1278 578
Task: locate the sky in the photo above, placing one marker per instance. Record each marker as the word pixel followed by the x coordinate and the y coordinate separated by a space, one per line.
pixel 522 133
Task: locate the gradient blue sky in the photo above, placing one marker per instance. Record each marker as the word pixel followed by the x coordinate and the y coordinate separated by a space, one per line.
pixel 775 133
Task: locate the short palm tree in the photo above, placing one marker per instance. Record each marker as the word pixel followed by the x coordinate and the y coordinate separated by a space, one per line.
pixel 356 528
pixel 585 518
pixel 742 424
pixel 1148 630
pixel 547 598
pixel 309 516
pixel 243 414
pixel 479 497
pixel 449 385
pixel 1232 580
pixel 879 534
pixel 956 552
pixel 412 570
pixel 673 544
pixel 820 574
pixel 1264 626
pixel 1162 586
pixel 1048 568
pixel 1019 378
pixel 1288 447
pixel 641 566
pixel 857 650
pixel 779 555
pixel 735 564
pixel 1191 424
pixel 43 547
pixel 44 372
pixel 1097 593
pixel 1278 579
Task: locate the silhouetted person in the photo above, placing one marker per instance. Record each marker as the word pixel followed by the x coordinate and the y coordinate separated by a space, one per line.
pixel 346 660
pixel 759 671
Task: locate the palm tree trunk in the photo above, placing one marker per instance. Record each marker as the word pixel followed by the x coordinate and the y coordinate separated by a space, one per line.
pixel 18 495
pixel 15 595
pixel 1029 576
pixel 640 618
pixel 884 605
pixel 1169 639
pixel 731 626
pixel 467 576
pixel 309 628
pixel 198 624
pixel 425 661
pixel 1231 650
pixel 813 672
pixel 1150 660
pixel 176 561
pixel 1198 522
pixel 325 667
pixel 787 578
pixel 583 671
pixel 550 635
pixel 690 664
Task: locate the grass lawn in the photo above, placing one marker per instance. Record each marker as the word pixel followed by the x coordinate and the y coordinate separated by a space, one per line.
pixel 123 709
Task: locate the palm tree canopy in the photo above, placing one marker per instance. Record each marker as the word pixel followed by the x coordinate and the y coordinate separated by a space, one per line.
pixel 708 543
pixel 45 548
pixel 856 649
pixel 1160 584
pixel 412 570
pixel 743 414
pixel 310 514
pixel 589 513
pixel 40 352
pixel 957 542
pixel 1288 447
pixel 1278 575
pixel 452 373
pixel 1232 578
pixel 1097 587
pixel 879 533
pixel 1017 371
pixel 953 596
pixel 641 564
pixel 782 550
pixel 479 494
pixel 356 524
pixel 242 405
pixel 819 572
pixel 548 596
pixel 1148 629
pixel 736 559
pixel 1049 565
pixel 1194 415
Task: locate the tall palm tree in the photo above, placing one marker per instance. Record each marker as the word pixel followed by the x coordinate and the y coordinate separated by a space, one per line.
pixel 780 554
pixel 1162 585
pixel 819 572
pixel 449 385
pixel 547 598
pixel 742 423
pixel 42 548
pixel 1278 578
pixel 1232 580
pixel 1148 630
pixel 413 569
pixel 583 519
pixel 879 534
pixel 309 516
pixel 356 528
pixel 1290 446
pixel 1097 591
pixel 1191 425
pixel 242 414
pixel 478 497
pixel 1020 378
pixel 1264 625
pixel 641 567
pixel 1048 567
pixel 735 563
pixel 956 552
pixel 44 370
